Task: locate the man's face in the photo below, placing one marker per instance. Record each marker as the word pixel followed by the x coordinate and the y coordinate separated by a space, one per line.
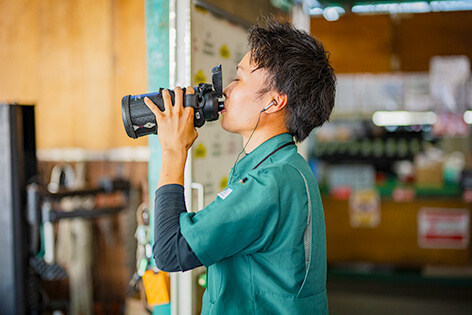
pixel 243 102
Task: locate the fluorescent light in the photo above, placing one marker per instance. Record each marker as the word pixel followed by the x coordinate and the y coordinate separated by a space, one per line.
pixel 403 118
pixel 409 7
pixel 375 8
pixel 415 7
pixel 316 11
pixel 363 8
pixel 412 7
pixel 332 13
pixel 450 5
pixel 468 117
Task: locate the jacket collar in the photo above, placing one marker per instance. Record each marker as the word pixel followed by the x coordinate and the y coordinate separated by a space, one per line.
pixel 248 162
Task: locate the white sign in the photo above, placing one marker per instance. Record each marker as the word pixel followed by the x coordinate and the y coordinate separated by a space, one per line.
pixel 443 228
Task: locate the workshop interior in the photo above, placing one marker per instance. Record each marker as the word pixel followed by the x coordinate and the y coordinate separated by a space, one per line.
pixel 77 177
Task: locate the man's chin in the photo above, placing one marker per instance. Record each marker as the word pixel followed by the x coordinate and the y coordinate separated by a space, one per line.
pixel 225 126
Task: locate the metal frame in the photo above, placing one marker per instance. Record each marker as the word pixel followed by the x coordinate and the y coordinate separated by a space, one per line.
pixel 17 166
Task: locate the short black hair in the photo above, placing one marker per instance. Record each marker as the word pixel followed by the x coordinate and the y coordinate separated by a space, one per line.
pixel 298 66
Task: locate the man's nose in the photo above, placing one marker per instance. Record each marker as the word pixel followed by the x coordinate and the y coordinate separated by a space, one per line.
pixel 227 90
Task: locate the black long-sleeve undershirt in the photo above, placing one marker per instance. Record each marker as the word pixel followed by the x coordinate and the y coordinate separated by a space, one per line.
pixel 171 250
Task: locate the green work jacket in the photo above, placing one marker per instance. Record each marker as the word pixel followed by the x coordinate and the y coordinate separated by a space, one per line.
pixel 263 239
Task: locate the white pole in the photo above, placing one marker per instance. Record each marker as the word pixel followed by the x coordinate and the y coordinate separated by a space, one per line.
pixel 301 20
pixel 182 294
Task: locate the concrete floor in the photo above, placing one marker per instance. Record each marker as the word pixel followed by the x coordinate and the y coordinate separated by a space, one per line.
pixel 362 297
pixel 351 297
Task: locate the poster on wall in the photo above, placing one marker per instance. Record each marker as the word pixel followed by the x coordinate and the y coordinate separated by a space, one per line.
pixel 214 41
pixel 443 228
pixel 364 209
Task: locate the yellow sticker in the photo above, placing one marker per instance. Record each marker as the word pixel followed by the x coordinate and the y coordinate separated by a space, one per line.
pixel 199 77
pixel 200 151
pixel 224 182
pixel 200 9
pixel 224 51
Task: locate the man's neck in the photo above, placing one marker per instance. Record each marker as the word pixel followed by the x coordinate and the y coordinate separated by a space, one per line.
pixel 259 138
pixel 268 127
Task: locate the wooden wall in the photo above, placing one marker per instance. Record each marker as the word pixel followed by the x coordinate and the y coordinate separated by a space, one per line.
pixel 356 44
pixel 380 43
pixel 394 241
pixel 423 36
pixel 74 60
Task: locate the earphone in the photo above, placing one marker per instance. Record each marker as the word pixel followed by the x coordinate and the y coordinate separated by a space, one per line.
pixel 257 124
pixel 267 107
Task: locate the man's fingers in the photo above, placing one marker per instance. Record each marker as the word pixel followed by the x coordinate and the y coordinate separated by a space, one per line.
pixel 179 103
pixel 153 107
pixel 167 100
pixel 189 90
pixel 170 108
pixel 190 111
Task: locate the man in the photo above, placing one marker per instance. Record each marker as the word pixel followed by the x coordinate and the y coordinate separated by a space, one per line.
pixel 263 238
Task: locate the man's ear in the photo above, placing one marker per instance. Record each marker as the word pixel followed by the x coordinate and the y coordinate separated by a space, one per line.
pixel 279 101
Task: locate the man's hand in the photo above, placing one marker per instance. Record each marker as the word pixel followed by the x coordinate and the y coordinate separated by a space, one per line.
pixel 175 127
pixel 176 133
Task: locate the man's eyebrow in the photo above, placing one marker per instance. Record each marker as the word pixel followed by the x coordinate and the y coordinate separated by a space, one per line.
pixel 238 67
